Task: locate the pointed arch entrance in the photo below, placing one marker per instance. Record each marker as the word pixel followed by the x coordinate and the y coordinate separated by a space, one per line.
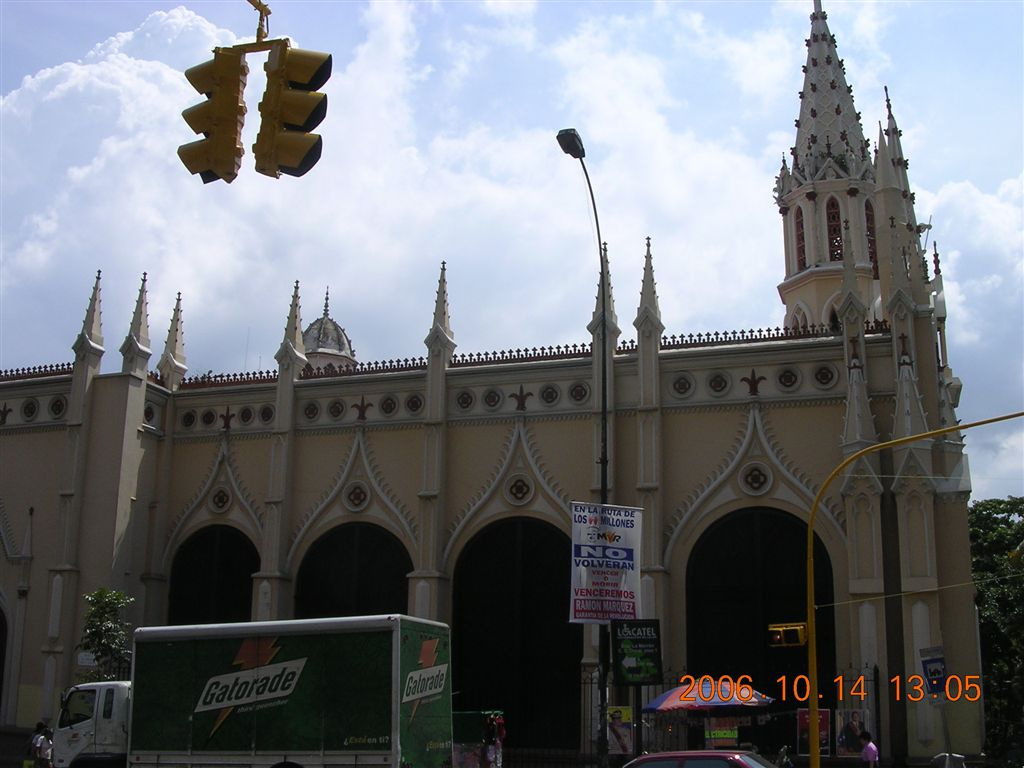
pixel 355 569
pixel 513 647
pixel 746 571
pixel 211 577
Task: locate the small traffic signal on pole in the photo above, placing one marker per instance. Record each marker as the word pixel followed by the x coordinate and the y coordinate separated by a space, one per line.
pixel 219 118
pixel 291 107
pixel 781 635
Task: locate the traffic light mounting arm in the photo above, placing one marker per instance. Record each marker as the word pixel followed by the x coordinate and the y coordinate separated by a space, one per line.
pixel 264 27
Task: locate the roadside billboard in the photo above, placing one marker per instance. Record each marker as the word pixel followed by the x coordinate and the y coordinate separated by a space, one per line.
pixel 605 563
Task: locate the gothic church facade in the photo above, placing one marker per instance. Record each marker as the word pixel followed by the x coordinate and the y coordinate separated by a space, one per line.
pixel 440 486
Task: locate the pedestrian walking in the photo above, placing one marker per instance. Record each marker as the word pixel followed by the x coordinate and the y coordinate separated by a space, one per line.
pixel 868 752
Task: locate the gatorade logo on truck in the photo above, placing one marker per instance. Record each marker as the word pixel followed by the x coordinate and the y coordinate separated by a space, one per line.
pixel 257 680
pixel 428 680
pixel 421 683
pixel 234 689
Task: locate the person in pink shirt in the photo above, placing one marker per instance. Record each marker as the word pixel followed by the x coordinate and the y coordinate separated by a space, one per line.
pixel 868 752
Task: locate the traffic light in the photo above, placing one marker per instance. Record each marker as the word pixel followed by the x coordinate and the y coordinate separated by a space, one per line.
pixel 781 635
pixel 219 118
pixel 291 107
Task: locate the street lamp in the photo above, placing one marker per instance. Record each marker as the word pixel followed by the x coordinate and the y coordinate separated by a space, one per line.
pixel 571 143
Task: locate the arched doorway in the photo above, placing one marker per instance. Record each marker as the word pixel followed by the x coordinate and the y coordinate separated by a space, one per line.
pixel 211 577
pixel 513 647
pixel 356 569
pixel 749 570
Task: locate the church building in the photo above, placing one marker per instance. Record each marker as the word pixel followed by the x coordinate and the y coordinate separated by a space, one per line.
pixel 439 486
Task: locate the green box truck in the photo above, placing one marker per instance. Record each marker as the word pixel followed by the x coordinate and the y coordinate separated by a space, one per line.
pixel 373 690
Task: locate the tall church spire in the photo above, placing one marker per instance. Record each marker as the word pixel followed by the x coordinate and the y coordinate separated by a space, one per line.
pixel 649 328
pixel 609 302
pixel 825 195
pixel 829 138
pixel 440 344
pixel 441 317
pixel 172 366
pixel 649 294
pixel 899 161
pixel 91 337
pixel 292 352
pixel 440 337
pixel 885 175
pixel 135 351
pixel 88 348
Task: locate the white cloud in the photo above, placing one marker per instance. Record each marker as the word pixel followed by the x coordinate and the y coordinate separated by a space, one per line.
pixel 861 29
pixel 983 267
pixel 464 57
pixel 759 64
pixel 516 9
pixel 997 460
pixel 178 38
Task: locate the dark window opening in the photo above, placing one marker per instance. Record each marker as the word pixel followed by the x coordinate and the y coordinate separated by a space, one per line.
pixel 211 577
pixel 869 220
pixel 801 246
pixel 834 219
pixel 356 569
pixel 513 648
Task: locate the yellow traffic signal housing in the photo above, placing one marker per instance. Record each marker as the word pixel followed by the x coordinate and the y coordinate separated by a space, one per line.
pixel 780 635
pixel 219 118
pixel 291 107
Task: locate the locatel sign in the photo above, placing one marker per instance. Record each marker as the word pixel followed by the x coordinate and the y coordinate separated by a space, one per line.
pixel 636 652
pixel 605 563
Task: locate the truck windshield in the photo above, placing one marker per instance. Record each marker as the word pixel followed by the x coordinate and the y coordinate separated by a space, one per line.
pixel 77 708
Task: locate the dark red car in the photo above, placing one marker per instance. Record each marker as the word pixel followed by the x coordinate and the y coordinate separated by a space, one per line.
pixel 705 758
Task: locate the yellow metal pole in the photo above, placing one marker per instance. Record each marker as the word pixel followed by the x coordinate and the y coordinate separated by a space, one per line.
pixel 263 28
pixel 812 650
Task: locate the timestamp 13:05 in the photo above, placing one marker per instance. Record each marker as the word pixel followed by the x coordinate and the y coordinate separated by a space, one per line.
pixel 908 688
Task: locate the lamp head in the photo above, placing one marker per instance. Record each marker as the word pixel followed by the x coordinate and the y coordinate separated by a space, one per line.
pixel 571 143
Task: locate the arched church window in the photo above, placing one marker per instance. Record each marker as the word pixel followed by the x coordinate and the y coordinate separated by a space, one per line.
pixel 801 247
pixel 833 219
pixel 869 220
pixel 799 322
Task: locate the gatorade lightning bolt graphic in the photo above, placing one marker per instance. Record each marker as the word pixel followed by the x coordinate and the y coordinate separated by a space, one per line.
pixel 428 655
pixel 234 688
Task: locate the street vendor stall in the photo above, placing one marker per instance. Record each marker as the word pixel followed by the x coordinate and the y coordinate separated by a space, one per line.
pixel 723 707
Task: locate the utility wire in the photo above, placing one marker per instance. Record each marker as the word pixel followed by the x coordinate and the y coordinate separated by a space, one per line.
pixel 921 591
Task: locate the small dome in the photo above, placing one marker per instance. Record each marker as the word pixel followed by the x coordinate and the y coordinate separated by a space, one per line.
pixel 326 342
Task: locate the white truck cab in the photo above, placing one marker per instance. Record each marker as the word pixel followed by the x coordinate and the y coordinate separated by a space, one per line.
pixel 92 729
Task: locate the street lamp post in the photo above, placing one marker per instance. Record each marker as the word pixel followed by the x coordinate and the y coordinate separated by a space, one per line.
pixel 571 143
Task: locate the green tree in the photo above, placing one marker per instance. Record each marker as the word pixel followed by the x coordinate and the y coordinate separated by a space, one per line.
pixel 106 635
pixel 997 553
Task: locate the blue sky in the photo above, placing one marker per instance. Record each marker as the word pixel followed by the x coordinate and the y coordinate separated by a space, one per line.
pixel 439 145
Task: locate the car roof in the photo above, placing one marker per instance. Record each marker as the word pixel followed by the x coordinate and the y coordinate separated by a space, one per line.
pixel 723 753
pixel 700 753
